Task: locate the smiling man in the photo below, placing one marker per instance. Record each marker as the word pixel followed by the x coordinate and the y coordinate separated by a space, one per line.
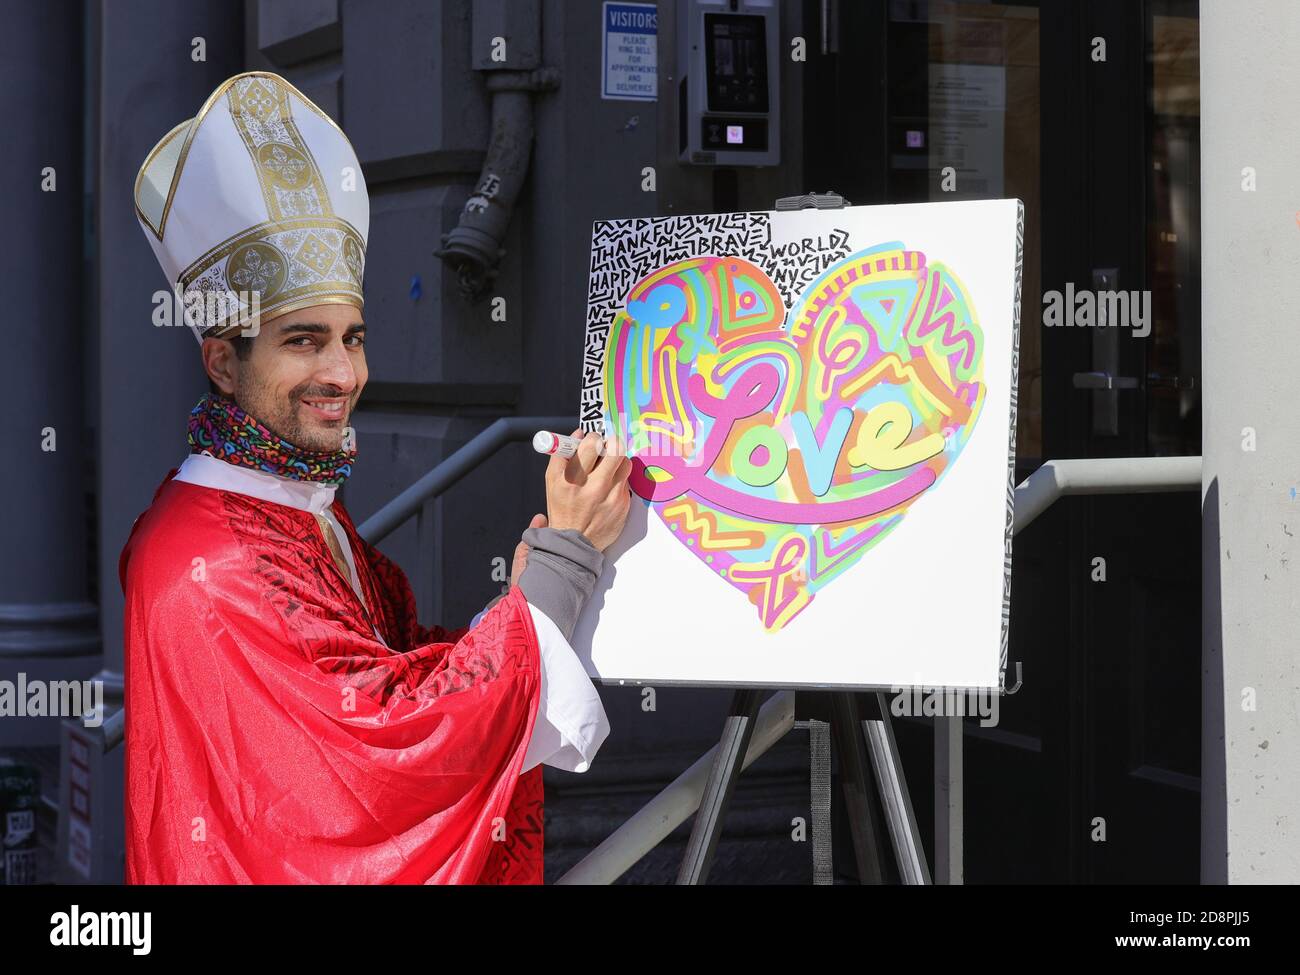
pixel 289 720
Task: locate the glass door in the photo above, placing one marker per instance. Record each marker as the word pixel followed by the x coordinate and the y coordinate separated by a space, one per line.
pixel 1088 111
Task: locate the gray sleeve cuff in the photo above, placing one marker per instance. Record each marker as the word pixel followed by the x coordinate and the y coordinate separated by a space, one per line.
pixel 561 574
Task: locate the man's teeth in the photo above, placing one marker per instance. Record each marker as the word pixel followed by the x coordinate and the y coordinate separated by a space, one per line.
pixel 334 407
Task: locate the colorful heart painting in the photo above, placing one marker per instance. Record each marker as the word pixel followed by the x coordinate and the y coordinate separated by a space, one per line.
pixel 780 446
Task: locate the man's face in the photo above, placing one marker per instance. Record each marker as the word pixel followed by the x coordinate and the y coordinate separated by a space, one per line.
pixel 304 375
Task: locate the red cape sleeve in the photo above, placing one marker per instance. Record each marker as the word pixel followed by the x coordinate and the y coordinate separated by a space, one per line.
pixel 518 856
pixel 271 741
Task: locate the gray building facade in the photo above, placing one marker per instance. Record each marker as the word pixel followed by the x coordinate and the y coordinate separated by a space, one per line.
pixel 468 324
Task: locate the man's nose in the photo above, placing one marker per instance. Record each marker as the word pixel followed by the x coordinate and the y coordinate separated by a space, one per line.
pixel 336 369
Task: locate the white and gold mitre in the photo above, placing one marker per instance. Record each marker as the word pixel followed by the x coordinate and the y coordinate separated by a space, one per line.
pixel 259 193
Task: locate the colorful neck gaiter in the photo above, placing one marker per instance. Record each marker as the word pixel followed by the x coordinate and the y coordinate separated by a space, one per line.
pixel 220 427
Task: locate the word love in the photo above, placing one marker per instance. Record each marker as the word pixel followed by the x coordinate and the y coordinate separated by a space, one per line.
pixel 760 456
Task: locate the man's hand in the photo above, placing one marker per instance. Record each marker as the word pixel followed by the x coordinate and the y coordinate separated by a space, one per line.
pixel 521 552
pixel 589 491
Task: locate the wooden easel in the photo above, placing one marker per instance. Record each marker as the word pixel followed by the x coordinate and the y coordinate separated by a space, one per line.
pixel 856 737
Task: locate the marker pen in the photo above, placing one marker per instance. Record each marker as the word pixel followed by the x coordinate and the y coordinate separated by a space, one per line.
pixel 545 442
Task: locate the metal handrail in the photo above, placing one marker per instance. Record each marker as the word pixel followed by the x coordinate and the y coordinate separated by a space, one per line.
pixel 113 730
pixel 1102 475
pixel 508 429
pixel 621 850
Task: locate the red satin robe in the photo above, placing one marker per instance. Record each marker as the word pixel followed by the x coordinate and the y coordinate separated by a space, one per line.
pixel 271 738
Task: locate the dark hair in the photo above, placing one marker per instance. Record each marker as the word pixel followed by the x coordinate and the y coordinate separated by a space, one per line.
pixel 243 349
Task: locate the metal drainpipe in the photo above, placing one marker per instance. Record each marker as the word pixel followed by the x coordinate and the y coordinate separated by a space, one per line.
pixel 473 247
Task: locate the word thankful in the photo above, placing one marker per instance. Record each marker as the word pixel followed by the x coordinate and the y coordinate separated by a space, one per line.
pixel 74 929
pixel 199 309
pixel 58 698
pixel 881 444
pixel 1087 309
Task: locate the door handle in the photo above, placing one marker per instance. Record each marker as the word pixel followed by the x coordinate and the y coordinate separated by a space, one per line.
pixel 1157 380
pixel 1103 380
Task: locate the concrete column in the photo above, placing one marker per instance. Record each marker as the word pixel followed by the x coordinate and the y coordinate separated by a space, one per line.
pixel 1250 141
pixel 47 621
pixel 149 377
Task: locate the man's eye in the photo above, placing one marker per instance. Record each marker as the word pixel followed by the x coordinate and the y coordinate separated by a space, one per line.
pixel 300 338
pixel 360 339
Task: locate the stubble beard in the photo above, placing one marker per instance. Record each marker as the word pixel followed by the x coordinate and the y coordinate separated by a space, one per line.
pixel 283 416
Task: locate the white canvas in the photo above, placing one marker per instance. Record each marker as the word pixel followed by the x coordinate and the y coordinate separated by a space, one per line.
pixel 736 581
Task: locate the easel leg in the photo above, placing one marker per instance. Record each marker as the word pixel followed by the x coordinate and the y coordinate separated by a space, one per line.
pixel 859 789
pixel 948 733
pixel 888 766
pixel 706 829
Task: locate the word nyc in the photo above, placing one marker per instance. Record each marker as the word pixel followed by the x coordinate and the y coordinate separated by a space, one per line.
pixel 1086 309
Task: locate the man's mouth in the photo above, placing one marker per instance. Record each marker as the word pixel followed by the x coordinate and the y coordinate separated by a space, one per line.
pixel 326 408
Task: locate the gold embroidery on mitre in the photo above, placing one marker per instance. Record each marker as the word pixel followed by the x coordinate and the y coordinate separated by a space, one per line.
pixel 291 183
pixel 257 266
pixel 290 263
pixel 317 254
pixel 354 256
pixel 284 166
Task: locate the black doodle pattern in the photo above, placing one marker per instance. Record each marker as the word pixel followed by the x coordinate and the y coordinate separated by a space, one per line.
pixel 625 251
pixel 1011 444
